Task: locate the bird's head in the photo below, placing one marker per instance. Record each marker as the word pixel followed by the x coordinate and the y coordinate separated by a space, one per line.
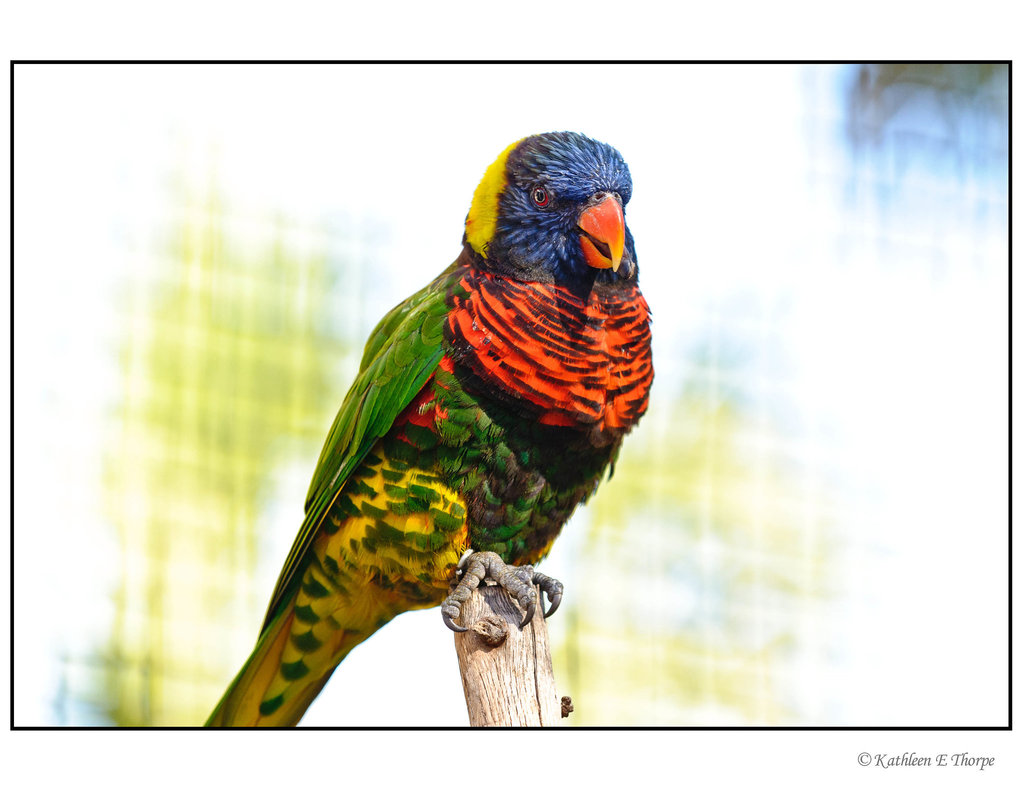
pixel 551 208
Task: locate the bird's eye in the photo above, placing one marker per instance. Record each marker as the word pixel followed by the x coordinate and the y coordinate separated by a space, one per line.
pixel 540 196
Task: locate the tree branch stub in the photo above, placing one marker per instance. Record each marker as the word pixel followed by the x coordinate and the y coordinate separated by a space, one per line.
pixel 506 671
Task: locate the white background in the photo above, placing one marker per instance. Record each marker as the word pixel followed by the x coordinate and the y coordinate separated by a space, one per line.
pixel 644 122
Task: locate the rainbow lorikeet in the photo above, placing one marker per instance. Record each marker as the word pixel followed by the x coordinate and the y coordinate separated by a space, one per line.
pixel 486 409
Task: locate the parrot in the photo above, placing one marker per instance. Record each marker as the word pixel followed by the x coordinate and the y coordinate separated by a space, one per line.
pixel 486 408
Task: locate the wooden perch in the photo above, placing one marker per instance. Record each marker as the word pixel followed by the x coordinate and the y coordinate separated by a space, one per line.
pixel 506 672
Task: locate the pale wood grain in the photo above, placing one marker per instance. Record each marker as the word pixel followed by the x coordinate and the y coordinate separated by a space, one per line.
pixel 510 683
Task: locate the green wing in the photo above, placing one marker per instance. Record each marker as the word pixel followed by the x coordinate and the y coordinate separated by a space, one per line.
pixel 401 355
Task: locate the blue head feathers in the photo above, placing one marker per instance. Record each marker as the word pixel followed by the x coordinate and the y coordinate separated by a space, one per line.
pixel 551 208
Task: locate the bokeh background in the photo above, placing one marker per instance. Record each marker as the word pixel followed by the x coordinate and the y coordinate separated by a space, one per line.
pixel 810 526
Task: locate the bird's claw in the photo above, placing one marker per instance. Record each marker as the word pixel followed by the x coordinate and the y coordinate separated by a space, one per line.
pixel 518 581
pixel 447 617
pixel 552 588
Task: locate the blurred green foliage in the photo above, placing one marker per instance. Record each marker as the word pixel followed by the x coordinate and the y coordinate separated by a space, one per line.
pixel 699 563
pixel 228 371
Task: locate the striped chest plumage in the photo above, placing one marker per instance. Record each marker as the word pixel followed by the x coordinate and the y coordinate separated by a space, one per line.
pixel 582 362
pixel 547 384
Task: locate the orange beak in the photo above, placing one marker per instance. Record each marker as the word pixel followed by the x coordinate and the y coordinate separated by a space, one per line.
pixel 603 233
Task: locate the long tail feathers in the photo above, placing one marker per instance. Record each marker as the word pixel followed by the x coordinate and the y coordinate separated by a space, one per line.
pixel 240 704
pixel 245 702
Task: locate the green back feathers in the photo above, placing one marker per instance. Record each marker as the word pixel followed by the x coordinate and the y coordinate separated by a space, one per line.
pixel 400 357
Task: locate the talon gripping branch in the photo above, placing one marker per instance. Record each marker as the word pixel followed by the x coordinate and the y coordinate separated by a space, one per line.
pixel 486 409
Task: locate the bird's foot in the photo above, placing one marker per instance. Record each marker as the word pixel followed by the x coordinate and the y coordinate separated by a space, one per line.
pixel 518 581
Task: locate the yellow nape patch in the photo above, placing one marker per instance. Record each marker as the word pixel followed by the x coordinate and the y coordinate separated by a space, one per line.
pixel 483 213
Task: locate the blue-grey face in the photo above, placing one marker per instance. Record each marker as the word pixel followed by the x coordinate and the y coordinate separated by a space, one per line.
pixel 555 219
